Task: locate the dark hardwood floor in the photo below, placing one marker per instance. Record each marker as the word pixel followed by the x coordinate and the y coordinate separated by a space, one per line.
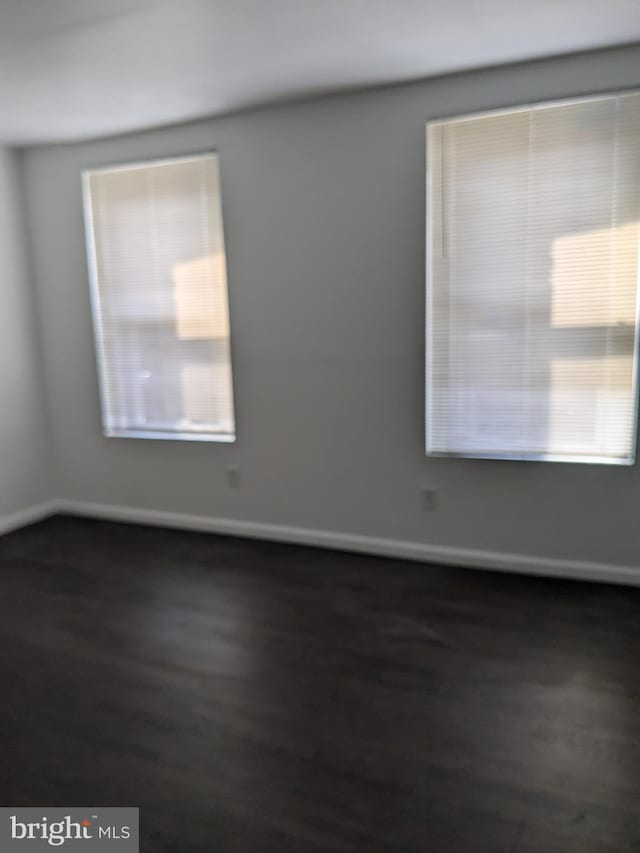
pixel 260 697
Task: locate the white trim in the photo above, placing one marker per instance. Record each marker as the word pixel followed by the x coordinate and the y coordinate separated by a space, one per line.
pixel 88 202
pixel 442 122
pixel 27 516
pixel 398 548
pixel 544 104
pixel 225 438
pixel 152 163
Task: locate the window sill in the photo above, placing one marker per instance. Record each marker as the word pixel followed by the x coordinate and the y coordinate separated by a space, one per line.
pixel 159 435
pixel 535 457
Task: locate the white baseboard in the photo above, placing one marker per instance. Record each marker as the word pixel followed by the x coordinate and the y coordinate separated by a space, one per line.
pixel 27 516
pixel 444 555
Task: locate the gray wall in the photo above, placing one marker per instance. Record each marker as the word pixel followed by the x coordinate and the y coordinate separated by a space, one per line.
pixel 324 217
pixel 24 452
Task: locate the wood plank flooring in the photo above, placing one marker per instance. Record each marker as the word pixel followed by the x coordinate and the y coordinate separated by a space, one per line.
pixel 266 698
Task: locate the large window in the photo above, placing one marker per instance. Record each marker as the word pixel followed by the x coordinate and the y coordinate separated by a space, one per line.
pixel 532 282
pixel 159 296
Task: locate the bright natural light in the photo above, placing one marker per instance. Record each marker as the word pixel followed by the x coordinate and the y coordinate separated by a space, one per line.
pixel 159 289
pixel 533 282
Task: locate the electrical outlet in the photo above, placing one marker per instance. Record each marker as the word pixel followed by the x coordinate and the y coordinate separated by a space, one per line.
pixel 233 476
pixel 429 498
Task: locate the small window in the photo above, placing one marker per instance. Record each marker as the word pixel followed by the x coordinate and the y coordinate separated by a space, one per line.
pixel 159 296
pixel 532 282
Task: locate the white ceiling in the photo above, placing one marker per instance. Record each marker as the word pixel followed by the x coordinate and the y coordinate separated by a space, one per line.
pixel 77 68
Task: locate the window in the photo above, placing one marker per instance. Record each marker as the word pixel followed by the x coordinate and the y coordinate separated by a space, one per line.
pixel 159 295
pixel 532 282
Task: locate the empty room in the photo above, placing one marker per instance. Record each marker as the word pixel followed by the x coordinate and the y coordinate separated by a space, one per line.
pixel 319 487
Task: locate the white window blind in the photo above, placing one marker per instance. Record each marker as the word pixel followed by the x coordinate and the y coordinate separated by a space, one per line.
pixel 159 296
pixel 532 282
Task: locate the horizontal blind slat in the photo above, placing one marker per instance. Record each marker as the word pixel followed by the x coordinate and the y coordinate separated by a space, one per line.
pixel 160 296
pixel 533 230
